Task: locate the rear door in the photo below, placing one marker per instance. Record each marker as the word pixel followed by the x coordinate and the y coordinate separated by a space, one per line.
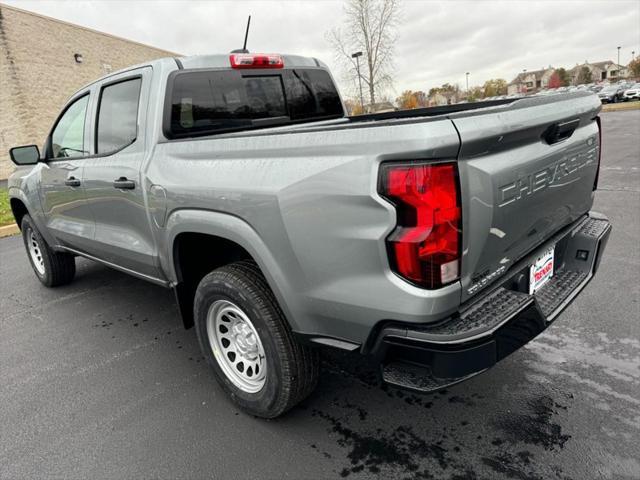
pixel 526 171
pixel 67 214
pixel 113 181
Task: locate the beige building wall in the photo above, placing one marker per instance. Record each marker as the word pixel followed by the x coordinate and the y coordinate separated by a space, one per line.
pixel 38 72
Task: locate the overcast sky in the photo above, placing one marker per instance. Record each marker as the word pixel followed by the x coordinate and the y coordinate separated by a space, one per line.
pixel 438 41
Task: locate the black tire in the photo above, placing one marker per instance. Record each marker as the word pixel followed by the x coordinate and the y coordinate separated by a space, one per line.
pixel 55 268
pixel 291 368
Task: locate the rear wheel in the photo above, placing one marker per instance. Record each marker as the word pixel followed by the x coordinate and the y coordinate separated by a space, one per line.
pixel 246 339
pixel 52 268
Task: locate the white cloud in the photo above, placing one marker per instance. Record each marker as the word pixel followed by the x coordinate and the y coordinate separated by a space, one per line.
pixel 437 41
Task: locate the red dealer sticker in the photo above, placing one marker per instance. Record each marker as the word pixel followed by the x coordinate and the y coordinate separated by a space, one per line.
pixel 541 271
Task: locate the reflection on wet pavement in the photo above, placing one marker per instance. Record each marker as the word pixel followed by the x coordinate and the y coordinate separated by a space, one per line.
pixel 561 395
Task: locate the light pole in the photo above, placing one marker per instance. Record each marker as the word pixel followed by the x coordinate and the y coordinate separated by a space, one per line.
pixel 467 74
pixel 619 56
pixel 357 56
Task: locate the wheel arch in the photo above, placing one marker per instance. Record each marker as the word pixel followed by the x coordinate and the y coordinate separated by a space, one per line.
pixel 18 209
pixel 227 239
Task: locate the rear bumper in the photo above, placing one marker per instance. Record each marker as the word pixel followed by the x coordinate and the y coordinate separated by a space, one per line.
pixel 495 323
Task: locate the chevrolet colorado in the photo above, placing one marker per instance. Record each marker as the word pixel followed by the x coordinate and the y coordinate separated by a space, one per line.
pixel 437 241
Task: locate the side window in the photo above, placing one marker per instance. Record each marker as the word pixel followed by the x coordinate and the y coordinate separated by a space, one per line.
pixel 118 115
pixel 67 139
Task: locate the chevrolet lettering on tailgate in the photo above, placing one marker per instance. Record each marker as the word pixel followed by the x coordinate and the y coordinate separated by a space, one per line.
pixel 553 174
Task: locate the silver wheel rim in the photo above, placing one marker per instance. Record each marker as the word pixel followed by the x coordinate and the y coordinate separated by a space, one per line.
pixel 236 346
pixel 35 252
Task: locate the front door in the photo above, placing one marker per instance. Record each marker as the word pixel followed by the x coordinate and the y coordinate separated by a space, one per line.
pixel 66 212
pixel 113 181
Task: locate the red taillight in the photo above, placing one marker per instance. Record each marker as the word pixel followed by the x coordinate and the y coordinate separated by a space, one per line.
pixel 255 60
pixel 595 182
pixel 425 245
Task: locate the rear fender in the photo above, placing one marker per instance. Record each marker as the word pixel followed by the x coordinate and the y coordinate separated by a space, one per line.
pixel 235 230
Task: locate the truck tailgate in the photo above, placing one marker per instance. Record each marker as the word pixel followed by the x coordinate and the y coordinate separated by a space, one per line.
pixel 526 170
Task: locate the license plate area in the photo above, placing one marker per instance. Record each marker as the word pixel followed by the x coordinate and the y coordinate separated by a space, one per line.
pixel 541 270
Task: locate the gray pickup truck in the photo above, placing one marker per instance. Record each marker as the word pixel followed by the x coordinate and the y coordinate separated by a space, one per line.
pixel 436 241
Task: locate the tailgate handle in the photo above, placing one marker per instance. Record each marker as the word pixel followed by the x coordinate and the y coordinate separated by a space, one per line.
pixel 560 131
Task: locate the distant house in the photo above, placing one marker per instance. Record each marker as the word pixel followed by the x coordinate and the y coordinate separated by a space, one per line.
pixel 527 82
pixel 600 71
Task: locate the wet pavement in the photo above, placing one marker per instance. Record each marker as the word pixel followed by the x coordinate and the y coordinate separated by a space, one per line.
pixel 99 380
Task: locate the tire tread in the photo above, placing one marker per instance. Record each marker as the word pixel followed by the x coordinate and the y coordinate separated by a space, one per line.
pixel 60 267
pixel 300 370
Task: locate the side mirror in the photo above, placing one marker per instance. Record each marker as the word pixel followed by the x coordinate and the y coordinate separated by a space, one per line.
pixel 26 155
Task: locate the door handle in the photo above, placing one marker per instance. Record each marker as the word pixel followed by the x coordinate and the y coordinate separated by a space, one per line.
pixel 123 183
pixel 72 182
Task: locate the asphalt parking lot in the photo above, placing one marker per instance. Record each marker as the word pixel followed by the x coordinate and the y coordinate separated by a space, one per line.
pixel 99 380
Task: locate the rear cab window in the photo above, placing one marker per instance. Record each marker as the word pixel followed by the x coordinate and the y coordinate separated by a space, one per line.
pixel 117 123
pixel 205 102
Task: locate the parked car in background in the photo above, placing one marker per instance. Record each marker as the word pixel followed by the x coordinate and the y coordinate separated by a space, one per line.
pixel 632 93
pixel 611 94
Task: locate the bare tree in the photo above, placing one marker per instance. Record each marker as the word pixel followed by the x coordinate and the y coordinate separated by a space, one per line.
pixel 369 27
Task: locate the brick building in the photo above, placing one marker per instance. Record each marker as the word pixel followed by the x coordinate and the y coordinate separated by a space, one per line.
pixel 42 62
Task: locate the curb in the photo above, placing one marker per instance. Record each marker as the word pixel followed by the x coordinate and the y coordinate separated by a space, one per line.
pixel 9 230
pixel 621 107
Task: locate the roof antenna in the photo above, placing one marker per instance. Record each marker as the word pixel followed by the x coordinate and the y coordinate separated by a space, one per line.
pixel 246 35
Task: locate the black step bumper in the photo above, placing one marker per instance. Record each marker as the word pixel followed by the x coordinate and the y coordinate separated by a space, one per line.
pixel 504 318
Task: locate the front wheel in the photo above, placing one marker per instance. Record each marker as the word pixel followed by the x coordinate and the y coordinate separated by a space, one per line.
pixel 246 339
pixel 52 268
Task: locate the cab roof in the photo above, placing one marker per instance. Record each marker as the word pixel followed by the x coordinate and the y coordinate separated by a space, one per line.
pixel 221 60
